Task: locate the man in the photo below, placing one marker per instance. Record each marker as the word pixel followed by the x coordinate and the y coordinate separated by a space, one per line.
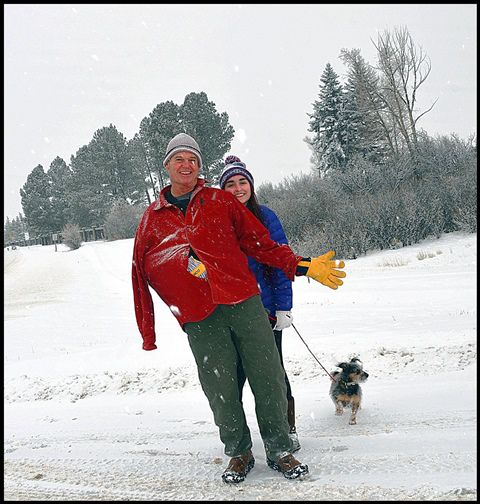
pixel 191 247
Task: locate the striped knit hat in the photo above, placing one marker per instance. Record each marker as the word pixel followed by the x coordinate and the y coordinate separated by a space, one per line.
pixel 234 166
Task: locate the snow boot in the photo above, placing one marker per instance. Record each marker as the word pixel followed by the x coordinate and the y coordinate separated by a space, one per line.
pixel 289 466
pixel 238 468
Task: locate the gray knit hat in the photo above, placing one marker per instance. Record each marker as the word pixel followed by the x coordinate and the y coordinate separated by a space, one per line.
pixel 182 142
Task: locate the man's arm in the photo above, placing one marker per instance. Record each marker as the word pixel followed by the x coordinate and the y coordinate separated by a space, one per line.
pixel 255 241
pixel 143 302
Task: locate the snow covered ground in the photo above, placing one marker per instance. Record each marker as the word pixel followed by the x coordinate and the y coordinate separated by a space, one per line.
pixel 89 415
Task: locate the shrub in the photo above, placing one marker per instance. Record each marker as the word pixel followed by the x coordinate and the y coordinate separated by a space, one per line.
pixel 122 221
pixel 394 262
pixel 423 255
pixel 71 235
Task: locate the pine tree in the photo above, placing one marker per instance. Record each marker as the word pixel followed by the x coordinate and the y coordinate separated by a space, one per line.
pixel 198 117
pixel 111 161
pixel 86 200
pixel 156 130
pixel 14 230
pixel 143 167
pixel 210 129
pixel 35 197
pixel 326 124
pixel 102 173
pixel 365 129
pixel 59 175
pixel 8 232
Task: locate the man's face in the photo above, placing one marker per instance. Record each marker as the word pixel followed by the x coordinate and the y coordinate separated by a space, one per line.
pixel 183 169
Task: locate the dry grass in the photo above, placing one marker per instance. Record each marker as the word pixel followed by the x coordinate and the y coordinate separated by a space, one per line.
pixel 394 262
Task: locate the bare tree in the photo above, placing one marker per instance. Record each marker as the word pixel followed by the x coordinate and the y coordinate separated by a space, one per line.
pixel 404 68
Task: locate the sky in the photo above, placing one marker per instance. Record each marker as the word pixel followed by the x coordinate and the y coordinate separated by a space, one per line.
pixel 71 69
pixel 89 415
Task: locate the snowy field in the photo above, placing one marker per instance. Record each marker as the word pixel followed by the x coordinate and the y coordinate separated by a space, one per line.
pixel 89 415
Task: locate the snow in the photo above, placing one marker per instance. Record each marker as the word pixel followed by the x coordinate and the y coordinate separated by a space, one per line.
pixel 89 415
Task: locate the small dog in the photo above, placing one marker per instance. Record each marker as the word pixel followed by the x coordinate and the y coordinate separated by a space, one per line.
pixel 345 389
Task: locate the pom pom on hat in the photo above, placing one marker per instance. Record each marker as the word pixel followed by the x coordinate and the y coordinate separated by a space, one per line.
pixel 234 166
pixel 232 159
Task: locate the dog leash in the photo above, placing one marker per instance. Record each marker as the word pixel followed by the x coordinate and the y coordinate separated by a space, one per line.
pixel 314 356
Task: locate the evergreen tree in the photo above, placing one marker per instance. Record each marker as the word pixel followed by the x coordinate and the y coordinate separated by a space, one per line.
pixel 14 230
pixel 59 175
pixel 156 130
pixel 102 174
pixel 8 232
pixel 198 117
pixel 111 161
pixel 142 166
pixel 326 124
pixel 86 200
pixel 365 129
pixel 35 196
pixel 210 129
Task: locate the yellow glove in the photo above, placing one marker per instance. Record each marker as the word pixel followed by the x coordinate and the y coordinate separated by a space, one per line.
pixel 322 269
pixel 196 268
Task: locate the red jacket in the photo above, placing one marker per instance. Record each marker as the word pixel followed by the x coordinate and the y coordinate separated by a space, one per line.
pixel 222 232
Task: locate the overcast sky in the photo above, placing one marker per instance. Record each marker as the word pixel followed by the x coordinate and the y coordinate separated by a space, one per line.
pixel 72 69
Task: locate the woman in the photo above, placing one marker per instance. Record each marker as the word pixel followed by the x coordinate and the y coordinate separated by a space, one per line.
pixel 275 287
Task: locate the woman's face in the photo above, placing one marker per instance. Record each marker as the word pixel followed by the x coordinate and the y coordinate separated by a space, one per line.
pixel 239 186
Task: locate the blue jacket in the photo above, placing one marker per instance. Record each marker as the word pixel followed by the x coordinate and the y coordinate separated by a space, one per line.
pixel 276 289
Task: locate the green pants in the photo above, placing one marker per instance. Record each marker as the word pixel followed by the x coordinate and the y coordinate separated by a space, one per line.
pixel 245 328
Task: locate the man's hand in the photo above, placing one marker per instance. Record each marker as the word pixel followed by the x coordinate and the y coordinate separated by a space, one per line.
pixel 284 320
pixel 149 346
pixel 323 270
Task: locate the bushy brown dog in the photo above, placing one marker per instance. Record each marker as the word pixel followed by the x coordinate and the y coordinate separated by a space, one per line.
pixel 345 389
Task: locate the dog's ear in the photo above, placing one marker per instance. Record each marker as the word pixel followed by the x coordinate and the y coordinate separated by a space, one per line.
pixel 342 365
pixel 356 359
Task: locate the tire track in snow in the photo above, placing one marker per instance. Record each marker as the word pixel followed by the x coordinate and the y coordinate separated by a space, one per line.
pixel 153 479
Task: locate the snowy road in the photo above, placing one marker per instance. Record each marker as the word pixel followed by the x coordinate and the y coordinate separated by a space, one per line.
pixel 153 454
pixel 89 416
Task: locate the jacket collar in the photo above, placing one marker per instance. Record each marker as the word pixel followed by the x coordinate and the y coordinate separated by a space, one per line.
pixel 162 201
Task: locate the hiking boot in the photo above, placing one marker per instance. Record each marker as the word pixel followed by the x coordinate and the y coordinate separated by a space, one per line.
pixel 294 438
pixel 238 468
pixel 289 466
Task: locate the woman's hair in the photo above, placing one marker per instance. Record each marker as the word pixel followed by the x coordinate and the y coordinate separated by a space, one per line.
pixel 254 206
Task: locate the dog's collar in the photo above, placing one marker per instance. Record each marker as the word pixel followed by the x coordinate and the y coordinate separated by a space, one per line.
pixel 349 383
